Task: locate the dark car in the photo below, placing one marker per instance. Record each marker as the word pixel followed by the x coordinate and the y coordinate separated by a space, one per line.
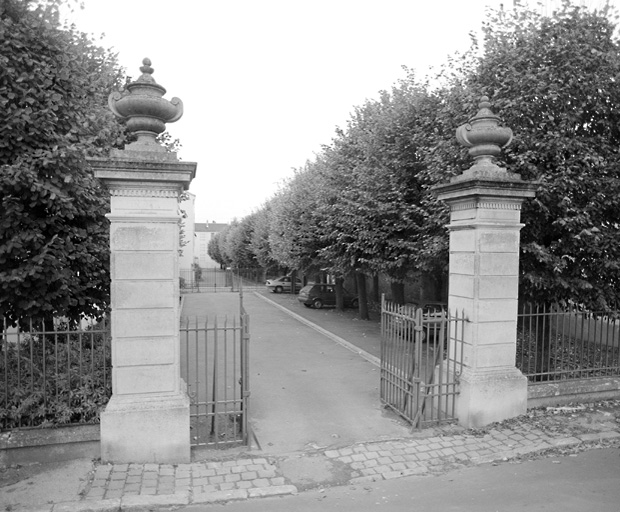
pixel 316 295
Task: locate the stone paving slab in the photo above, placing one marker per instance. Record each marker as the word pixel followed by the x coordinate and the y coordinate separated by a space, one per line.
pixel 140 486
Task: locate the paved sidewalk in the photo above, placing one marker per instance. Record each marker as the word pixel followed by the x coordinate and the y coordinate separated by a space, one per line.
pixel 129 486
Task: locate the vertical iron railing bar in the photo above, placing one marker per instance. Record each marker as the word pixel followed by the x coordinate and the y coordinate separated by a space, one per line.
pixel 236 400
pixel 583 334
pixel 31 344
pixel 382 350
pixel 225 365
pixel 92 352
pixel 19 358
pixel 536 319
pixel 214 390
pixel 558 339
pixel 80 356
pixel 44 368
pixel 604 342
pixel 56 358
pixel 200 428
pixel 6 347
pixel 246 380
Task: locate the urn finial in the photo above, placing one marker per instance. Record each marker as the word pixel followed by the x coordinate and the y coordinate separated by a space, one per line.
pixel 146 111
pixel 485 140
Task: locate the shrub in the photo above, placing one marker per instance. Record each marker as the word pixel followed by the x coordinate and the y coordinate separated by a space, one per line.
pixel 54 378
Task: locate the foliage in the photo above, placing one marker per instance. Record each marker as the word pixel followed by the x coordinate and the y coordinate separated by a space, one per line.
pixel 554 81
pixel 54 380
pixel 297 232
pixel 259 239
pixel 380 214
pixel 214 249
pixel 54 82
pixel 238 243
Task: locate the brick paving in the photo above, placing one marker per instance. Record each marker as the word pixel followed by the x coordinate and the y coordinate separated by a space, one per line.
pixel 111 486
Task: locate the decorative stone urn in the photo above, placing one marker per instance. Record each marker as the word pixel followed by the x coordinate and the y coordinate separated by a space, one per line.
pixel 147 418
pixel 485 204
pixel 146 111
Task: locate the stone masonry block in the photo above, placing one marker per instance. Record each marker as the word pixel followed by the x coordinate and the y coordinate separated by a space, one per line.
pixel 144 206
pixel 131 380
pixel 462 263
pixel 462 240
pixel 462 285
pixel 498 287
pixel 143 294
pixel 496 310
pixel 146 351
pixel 133 323
pixel 498 264
pixel 498 240
pixel 142 237
pixel 144 265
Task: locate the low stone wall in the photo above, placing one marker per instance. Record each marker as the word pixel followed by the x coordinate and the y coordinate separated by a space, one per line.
pixel 563 392
pixel 40 445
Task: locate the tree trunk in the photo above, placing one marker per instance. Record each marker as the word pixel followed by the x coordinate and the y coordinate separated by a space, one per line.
pixel 398 292
pixel 294 282
pixel 375 297
pixel 360 279
pixel 339 294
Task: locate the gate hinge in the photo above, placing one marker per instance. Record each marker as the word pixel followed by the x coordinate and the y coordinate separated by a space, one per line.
pixel 245 394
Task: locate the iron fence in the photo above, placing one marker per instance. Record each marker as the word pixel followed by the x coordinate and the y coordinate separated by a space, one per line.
pixel 53 374
pixel 567 344
pixel 205 280
pixel 421 361
pixel 213 280
pixel 214 365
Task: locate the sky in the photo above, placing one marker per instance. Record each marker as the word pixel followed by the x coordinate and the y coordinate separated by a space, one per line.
pixel 265 83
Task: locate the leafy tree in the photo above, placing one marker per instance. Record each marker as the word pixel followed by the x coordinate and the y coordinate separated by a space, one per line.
pixel 259 242
pixel 213 250
pixel 382 213
pixel 54 83
pixel 554 81
pixel 296 232
pixel 238 244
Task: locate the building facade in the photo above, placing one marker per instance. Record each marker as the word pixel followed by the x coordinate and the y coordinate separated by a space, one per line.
pixel 204 232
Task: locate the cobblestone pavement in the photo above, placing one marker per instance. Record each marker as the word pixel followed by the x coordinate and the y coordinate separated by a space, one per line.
pixel 140 485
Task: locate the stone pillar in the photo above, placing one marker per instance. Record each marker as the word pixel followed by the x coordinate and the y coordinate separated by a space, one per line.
pixel 485 203
pixel 147 418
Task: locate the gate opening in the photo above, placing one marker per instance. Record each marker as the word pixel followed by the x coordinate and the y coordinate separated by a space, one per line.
pixel 214 365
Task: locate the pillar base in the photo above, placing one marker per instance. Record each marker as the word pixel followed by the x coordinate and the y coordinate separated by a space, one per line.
pixel 489 396
pixel 146 430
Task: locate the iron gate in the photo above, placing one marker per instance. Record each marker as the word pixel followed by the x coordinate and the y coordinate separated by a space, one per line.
pixel 421 361
pixel 214 365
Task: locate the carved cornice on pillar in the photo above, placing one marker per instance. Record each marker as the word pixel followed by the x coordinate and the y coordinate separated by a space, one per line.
pixel 129 192
pixel 486 205
pixel 141 174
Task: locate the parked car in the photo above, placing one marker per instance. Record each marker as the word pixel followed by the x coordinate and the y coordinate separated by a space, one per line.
pixel 282 284
pixel 433 316
pixel 316 295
